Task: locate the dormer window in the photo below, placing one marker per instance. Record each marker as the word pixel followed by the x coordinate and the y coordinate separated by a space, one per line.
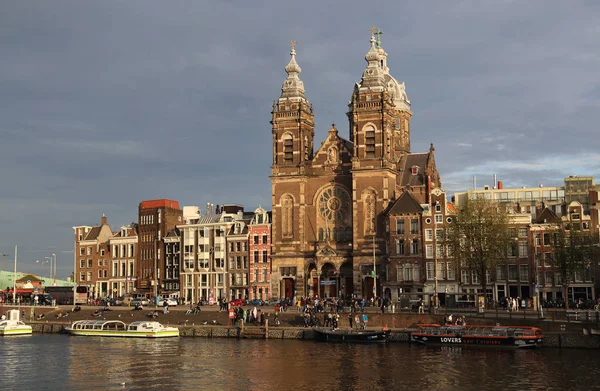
pixel 414 170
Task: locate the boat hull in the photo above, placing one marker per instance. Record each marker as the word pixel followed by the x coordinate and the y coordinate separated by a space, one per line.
pixel 124 334
pixel 18 331
pixel 327 335
pixel 511 342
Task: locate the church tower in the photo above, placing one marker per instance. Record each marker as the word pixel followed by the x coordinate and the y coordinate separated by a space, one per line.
pixel 293 124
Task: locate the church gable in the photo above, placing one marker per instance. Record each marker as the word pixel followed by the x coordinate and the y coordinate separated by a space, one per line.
pixel 547 216
pixel 334 151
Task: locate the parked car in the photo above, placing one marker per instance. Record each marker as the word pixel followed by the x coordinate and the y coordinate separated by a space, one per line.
pixel 139 301
pixel 273 302
pixel 236 302
pixel 255 302
pixel 170 302
pixel 120 300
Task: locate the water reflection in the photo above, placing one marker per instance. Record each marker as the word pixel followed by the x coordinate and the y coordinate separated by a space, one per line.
pixel 75 363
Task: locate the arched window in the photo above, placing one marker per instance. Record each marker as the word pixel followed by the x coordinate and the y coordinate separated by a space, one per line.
pixel 287 216
pixel 288 148
pixel 370 142
pixel 369 213
pixel 321 235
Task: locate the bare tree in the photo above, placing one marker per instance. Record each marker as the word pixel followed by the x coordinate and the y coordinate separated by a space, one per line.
pixel 478 237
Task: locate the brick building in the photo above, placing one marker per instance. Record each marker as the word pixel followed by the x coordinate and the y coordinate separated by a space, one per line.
pixel 328 205
pixel 156 218
pixel 259 240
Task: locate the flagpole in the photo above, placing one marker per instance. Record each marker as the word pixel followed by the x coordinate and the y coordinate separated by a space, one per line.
pixel 15 279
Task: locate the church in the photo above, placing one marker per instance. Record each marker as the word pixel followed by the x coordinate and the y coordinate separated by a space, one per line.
pixel 331 206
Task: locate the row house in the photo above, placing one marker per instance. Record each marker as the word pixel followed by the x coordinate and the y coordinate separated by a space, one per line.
pixel 92 268
pixel 237 254
pixel 548 277
pixel 259 240
pixel 156 218
pixel 172 244
pixel 204 274
pixel 123 251
pixel 418 262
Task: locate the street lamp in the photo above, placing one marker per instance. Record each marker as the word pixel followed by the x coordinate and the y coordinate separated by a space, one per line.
pixel 51 259
pixel 54 271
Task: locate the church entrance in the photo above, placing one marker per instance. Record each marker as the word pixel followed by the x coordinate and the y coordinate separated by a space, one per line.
pixel 288 288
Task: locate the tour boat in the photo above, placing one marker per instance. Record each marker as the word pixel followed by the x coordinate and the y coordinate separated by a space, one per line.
pixel 453 335
pixel 363 336
pixel 116 328
pixel 14 326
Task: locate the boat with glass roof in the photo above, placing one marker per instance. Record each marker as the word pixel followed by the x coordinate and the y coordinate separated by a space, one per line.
pixel 116 328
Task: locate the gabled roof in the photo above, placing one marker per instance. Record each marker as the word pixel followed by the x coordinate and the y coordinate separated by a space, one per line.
pixel 174 233
pixel 547 216
pixel 405 204
pixel 93 234
pixel 411 160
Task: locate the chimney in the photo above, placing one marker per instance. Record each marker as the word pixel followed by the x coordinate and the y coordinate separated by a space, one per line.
pixel 104 220
pixel 495 182
pixel 500 185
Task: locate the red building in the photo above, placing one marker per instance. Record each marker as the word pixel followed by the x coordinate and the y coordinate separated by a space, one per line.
pixel 259 238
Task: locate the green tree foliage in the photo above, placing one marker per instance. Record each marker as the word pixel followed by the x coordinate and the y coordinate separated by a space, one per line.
pixel 574 251
pixel 478 237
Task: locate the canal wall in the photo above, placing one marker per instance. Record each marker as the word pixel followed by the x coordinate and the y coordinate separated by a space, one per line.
pixel 551 339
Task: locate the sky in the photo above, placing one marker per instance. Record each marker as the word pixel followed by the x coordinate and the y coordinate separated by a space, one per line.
pixel 108 103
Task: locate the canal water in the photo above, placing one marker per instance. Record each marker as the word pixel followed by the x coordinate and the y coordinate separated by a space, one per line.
pixel 60 362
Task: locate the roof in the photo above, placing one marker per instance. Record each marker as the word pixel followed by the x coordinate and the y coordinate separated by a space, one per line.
pixel 93 234
pixel 405 204
pixel 162 203
pixel 547 216
pixel 414 159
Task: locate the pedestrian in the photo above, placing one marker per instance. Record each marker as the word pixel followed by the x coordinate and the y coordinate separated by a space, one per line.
pixel 357 321
pixel 365 320
pixel 421 306
pixel 165 307
pixel 350 319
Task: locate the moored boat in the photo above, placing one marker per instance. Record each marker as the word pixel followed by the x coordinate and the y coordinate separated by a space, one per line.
pixel 452 335
pixel 116 328
pixel 14 326
pixel 361 336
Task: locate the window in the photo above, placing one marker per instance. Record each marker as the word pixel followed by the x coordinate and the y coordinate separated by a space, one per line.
pixel 475 278
pixel 429 251
pixel 451 271
pixel 464 275
pixel 523 273
pixel 400 227
pixel 415 247
pixel 500 272
pixel 255 275
pixel 428 234
pixel 513 251
pixel 99 262
pixel 81 251
pixel 265 256
pixel 255 239
pixel 414 226
pixel 256 259
pixel 89 251
pixel 400 273
pixel 82 276
pixel 438 207
pixel 264 275
pixel 265 239
pixel 231 263
pixel 512 273
pixel 288 149
pixel 408 272
pixel 82 263
pixel 105 273
pixel 441 270
pixel 548 259
pixel 439 234
pixel 546 239
pixel 89 263
pixel 439 218
pixel 538 259
pixel 370 143
pixel 550 278
pixel 522 232
pixel 523 249
pixel 400 247
pixel 430 275
pixel 99 273
pixel 414 170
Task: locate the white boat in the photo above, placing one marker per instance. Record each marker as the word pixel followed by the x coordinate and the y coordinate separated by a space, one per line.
pixel 13 326
pixel 116 328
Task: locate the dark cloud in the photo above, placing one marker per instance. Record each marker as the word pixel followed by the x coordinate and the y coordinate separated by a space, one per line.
pixel 109 103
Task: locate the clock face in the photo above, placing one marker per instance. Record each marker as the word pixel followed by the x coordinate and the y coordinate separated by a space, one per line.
pixel 334 204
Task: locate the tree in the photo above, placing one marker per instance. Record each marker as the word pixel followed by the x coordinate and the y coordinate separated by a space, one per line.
pixel 574 251
pixel 478 237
